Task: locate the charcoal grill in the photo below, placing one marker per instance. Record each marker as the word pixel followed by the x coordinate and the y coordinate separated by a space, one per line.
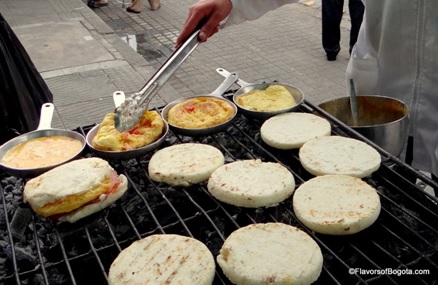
pixel 404 238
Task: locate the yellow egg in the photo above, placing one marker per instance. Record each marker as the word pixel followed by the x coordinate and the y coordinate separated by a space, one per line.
pixel 200 112
pixel 273 98
pixel 147 131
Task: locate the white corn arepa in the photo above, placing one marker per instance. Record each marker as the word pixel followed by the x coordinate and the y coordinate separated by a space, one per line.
pixel 185 164
pixel 163 259
pixel 75 189
pixel 251 183
pixel 271 253
pixel 292 130
pixel 339 155
pixel 336 204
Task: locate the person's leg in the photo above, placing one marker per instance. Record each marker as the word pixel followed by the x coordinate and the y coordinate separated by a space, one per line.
pixel 97 3
pixel 155 4
pixel 135 6
pixel 331 32
pixel 356 9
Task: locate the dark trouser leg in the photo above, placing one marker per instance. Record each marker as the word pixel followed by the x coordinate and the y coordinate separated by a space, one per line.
pixel 408 160
pixel 356 9
pixel 331 32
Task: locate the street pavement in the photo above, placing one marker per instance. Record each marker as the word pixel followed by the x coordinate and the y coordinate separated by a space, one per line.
pixel 84 55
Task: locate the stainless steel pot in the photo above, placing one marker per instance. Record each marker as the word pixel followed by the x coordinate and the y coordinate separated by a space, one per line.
pixel 383 120
pixel 119 97
pixel 217 94
pixel 247 87
pixel 44 130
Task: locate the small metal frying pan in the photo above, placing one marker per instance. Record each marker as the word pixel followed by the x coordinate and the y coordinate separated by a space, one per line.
pixel 44 130
pixel 217 94
pixel 247 87
pixel 119 98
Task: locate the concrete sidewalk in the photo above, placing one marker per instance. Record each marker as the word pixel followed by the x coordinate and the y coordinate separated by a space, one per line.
pixel 85 55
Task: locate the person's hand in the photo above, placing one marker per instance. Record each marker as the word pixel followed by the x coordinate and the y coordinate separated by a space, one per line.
pixel 212 12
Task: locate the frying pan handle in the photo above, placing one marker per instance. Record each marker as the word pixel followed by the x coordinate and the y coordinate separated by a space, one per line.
pixel 225 73
pixel 118 98
pixel 46 116
pixel 230 79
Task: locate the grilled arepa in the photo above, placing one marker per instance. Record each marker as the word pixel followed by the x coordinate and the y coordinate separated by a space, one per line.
pixel 339 155
pixel 251 183
pixel 336 204
pixel 292 130
pixel 75 190
pixel 185 164
pixel 163 259
pixel 147 131
pixel 271 253
pixel 200 112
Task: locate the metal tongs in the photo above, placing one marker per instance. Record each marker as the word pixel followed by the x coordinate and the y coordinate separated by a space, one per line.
pixel 128 114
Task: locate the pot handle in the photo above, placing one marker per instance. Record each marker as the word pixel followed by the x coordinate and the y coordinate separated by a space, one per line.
pixel 46 116
pixel 225 73
pixel 229 80
pixel 118 98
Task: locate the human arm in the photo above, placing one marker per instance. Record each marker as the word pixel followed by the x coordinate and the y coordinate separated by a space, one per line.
pixel 215 12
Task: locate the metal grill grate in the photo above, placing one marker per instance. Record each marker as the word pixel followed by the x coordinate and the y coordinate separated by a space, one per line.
pixel 405 236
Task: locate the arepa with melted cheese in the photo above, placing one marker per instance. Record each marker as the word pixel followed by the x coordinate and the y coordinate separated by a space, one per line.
pixel 74 190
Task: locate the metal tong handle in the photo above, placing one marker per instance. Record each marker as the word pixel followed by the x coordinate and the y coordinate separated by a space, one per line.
pixel 129 113
pixel 169 67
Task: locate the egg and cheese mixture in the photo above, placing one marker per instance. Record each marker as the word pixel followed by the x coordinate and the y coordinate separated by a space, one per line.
pixel 200 112
pixel 42 152
pixel 148 130
pixel 273 98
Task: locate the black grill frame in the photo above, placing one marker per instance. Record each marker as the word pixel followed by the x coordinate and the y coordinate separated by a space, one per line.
pixel 405 236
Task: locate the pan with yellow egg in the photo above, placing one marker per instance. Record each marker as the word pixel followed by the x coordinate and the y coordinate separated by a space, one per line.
pixel 38 151
pixel 202 115
pixel 105 141
pixel 264 100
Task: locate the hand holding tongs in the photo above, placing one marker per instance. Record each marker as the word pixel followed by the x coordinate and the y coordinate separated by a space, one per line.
pixel 128 114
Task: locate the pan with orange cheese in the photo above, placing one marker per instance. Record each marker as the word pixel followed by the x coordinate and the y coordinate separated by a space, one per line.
pixel 75 190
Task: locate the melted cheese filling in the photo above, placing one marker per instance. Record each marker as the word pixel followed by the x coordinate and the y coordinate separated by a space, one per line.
pixel 42 152
pixel 72 202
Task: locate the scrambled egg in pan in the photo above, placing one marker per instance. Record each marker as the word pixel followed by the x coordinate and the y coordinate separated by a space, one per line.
pixel 273 98
pixel 148 130
pixel 200 112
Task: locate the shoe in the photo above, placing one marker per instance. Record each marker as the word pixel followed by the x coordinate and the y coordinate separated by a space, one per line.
pixel 130 10
pixel 331 56
pixel 155 4
pixel 96 4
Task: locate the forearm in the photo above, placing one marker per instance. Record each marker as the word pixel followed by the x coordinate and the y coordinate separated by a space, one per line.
pixel 248 10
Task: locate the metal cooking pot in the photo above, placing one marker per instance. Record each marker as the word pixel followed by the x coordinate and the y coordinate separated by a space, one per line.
pixel 44 130
pixel 119 98
pixel 247 87
pixel 383 120
pixel 217 94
